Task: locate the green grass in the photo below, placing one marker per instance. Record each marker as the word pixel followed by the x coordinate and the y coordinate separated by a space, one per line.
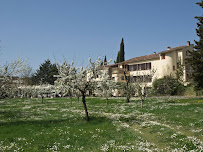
pixel 162 125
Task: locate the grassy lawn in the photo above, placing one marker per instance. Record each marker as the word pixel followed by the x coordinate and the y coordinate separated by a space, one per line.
pixel 164 124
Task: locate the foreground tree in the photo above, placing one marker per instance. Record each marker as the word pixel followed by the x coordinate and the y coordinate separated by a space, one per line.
pixel 141 81
pixel 82 79
pixel 196 59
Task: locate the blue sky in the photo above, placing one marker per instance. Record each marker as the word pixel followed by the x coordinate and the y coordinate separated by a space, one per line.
pixel 79 29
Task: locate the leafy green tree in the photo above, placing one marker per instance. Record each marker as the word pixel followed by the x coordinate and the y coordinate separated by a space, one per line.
pixel 167 86
pixel 45 73
pixel 121 53
pixel 196 59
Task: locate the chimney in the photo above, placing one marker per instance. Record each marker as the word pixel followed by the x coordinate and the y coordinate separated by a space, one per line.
pixel 168 48
pixel 188 43
pixel 154 52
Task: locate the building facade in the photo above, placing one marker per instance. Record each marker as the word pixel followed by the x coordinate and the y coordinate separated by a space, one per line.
pixel 154 66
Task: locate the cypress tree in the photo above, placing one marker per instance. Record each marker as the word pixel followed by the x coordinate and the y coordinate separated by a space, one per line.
pixel 118 57
pixel 105 61
pixel 196 58
pixel 121 53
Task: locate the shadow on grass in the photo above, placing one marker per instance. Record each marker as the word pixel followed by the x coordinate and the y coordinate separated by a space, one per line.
pixel 47 122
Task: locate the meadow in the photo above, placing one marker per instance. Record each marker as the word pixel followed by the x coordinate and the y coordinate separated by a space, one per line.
pixel 164 124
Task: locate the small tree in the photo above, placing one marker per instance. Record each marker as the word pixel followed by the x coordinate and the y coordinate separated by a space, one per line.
pixel 141 81
pixel 8 79
pixel 64 84
pixel 129 87
pixel 106 86
pixel 82 79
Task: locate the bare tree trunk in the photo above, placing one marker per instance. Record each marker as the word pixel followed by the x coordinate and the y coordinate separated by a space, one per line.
pixel 78 99
pixel 71 100
pixel 106 101
pixel 42 99
pixel 142 100
pixel 84 104
pixel 127 99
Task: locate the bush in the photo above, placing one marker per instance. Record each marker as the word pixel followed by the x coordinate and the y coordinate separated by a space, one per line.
pixel 168 86
pixel 190 90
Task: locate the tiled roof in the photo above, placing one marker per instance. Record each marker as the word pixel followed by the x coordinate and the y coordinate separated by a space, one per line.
pixel 141 58
pixel 111 65
pixel 173 49
pixel 152 56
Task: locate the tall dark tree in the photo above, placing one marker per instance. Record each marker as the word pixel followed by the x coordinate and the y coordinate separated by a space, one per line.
pixel 196 59
pixel 105 61
pixel 121 53
pixel 45 73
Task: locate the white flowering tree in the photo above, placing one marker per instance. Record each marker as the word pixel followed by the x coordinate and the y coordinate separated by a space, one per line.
pixel 106 86
pixel 64 82
pixel 8 76
pixel 81 79
pixel 140 82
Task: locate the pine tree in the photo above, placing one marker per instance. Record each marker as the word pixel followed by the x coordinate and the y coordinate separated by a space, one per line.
pixel 45 73
pixel 121 53
pixel 196 59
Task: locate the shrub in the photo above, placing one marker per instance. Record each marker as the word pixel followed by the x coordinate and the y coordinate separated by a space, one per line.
pixel 168 86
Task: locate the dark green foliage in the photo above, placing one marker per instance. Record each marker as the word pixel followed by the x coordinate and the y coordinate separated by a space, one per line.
pixel 105 61
pixel 121 53
pixel 118 57
pixel 196 59
pixel 45 73
pixel 167 86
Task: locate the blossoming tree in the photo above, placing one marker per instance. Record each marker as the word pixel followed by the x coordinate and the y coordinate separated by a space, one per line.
pixel 8 79
pixel 82 79
pixel 106 86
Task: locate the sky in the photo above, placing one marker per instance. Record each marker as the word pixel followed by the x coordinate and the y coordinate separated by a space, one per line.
pixel 75 30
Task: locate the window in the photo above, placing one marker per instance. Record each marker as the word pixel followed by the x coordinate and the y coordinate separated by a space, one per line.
pixel 143 66
pixel 163 56
pixel 131 68
pixel 122 78
pixel 148 78
pixel 139 66
pixel 135 67
pixel 113 78
pixel 127 67
pixel 174 68
pixel 148 65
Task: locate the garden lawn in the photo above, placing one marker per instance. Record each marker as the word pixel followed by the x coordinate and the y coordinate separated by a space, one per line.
pixel 164 124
